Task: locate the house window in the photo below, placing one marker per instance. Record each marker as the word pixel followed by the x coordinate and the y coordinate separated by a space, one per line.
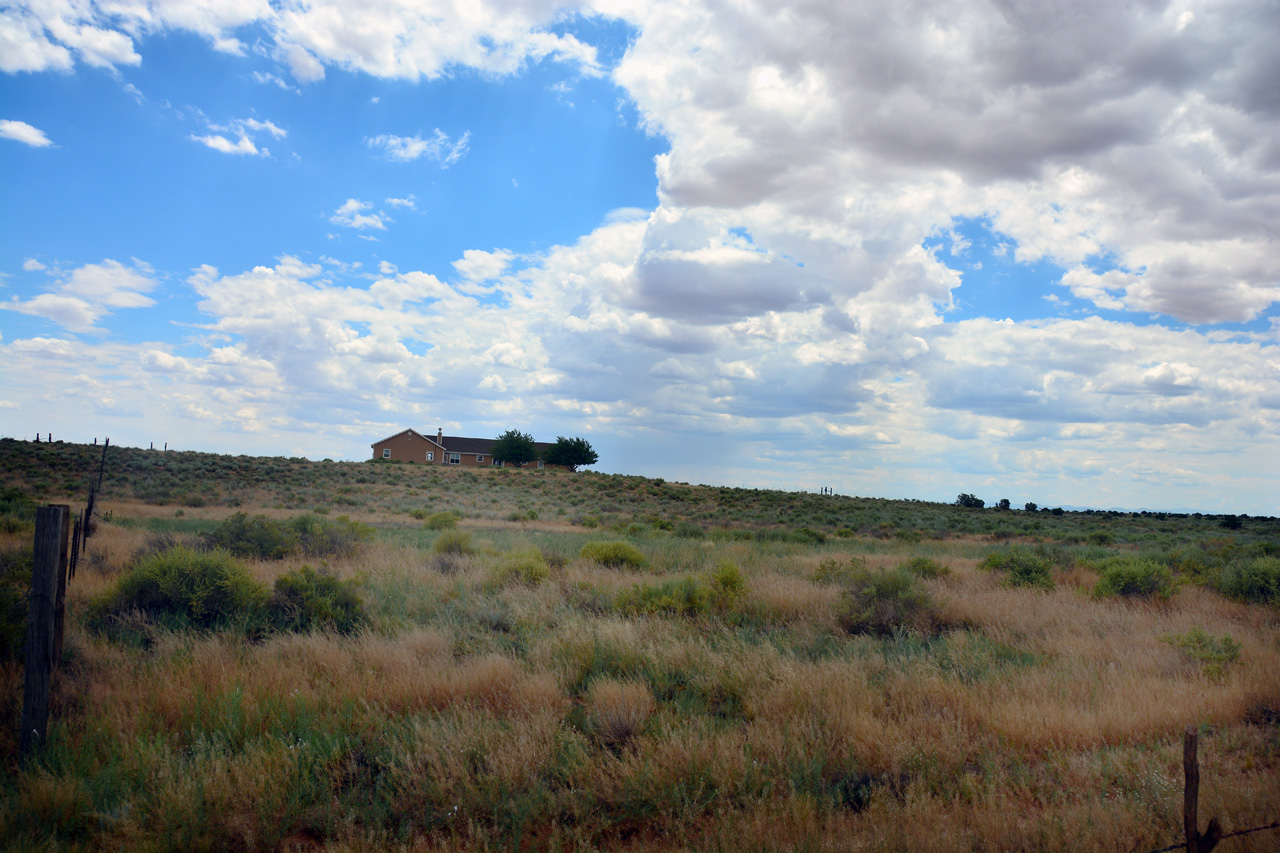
pixel 431 456
pixel 479 458
pixel 454 459
pixel 386 453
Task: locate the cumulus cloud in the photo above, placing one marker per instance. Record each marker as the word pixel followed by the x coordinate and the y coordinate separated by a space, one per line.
pixel 236 136
pixel 436 147
pixel 79 299
pixel 352 215
pixel 20 131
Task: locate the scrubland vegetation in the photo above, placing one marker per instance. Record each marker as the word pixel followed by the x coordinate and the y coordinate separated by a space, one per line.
pixel 276 654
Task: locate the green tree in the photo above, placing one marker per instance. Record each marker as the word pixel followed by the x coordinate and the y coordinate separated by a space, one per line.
pixel 571 453
pixel 969 500
pixel 1004 504
pixel 1030 506
pixel 514 447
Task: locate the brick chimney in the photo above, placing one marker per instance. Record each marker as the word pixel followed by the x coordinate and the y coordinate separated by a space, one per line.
pixel 440 436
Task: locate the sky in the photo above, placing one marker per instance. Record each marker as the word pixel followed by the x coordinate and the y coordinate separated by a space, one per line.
pixel 1024 250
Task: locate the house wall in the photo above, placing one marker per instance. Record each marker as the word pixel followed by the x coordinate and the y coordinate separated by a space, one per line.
pixel 408 447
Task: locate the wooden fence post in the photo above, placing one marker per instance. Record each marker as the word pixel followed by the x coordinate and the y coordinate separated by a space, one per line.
pixel 1196 843
pixel 51 526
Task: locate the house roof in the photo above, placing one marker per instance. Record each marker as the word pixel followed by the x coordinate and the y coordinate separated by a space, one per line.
pixel 459 444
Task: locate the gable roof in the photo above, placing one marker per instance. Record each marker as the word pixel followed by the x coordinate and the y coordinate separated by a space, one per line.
pixel 460 444
pixel 402 432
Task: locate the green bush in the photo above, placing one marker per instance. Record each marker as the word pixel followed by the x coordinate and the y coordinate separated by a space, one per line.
pixel 689 530
pixel 307 600
pixel 268 539
pixel 1214 654
pixel 1134 577
pixel 260 537
pixel 1021 568
pixel 924 567
pixel 323 537
pixel 727 584
pixel 1256 580
pixel 182 588
pixel 679 597
pixel 882 602
pixel 441 521
pixel 833 571
pixel 616 555
pixel 526 567
pixel 453 542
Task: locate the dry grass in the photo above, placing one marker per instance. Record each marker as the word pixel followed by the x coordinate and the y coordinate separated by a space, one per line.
pixel 479 717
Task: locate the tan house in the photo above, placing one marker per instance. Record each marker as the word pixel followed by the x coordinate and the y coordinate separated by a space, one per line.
pixel 412 446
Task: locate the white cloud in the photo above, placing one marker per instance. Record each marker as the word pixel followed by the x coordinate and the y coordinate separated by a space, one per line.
pixel 243 145
pixel 77 301
pixel 476 265
pixel 32 265
pixel 411 202
pixel 20 131
pixel 352 215
pixel 437 147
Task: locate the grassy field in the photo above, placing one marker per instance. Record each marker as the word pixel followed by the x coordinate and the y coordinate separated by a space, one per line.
pixel 278 654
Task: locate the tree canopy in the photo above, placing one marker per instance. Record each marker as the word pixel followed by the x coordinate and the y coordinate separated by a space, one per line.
pixel 571 453
pixel 514 447
pixel 971 501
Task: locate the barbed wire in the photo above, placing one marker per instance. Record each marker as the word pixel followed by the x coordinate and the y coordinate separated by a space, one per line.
pixel 1181 845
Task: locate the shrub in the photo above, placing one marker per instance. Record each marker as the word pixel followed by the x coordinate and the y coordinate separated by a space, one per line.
pixel 833 571
pixel 182 588
pixel 1214 654
pixel 727 584
pixel 306 600
pixel 1134 577
pixel 260 537
pixel 617 555
pixel 845 532
pixel 441 521
pixel 1256 580
pixel 322 537
pixel 689 530
pixel 924 567
pixel 1021 568
pixel 527 567
pixel 678 597
pixel 883 602
pixel 453 542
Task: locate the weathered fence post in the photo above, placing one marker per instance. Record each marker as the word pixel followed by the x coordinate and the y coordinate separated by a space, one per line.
pixel 1196 843
pixel 51 534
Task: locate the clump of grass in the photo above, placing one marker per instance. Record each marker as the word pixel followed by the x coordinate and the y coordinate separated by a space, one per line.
pixel 1134 577
pixel 1256 580
pixel 1214 654
pixel 618 555
pixel 883 602
pixel 526 567
pixel 1022 568
pixel 182 588
pixel 447 520
pixel 925 567
pixel 618 710
pixel 676 597
pixel 453 542
pixel 306 599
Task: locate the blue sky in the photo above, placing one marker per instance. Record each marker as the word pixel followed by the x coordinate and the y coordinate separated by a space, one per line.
pixel 906 253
